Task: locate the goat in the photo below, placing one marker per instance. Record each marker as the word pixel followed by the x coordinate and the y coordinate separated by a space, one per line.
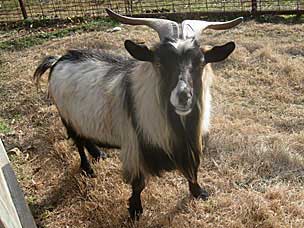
pixel 155 106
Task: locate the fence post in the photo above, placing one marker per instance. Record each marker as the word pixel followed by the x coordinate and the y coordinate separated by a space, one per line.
pixel 254 7
pixel 22 7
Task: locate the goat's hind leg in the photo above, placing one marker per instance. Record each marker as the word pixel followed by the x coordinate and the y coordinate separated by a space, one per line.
pixel 94 151
pixel 84 162
pixel 79 142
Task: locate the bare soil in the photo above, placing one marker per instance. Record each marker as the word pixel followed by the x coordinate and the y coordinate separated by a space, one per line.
pixel 254 169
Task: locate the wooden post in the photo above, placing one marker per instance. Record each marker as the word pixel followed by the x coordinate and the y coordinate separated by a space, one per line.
pixel 14 211
pixel 254 7
pixel 23 10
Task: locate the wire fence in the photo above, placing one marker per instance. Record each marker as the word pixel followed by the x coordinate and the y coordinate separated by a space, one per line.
pixel 17 10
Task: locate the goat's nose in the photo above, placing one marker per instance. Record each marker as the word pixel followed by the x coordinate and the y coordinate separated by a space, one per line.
pixel 184 97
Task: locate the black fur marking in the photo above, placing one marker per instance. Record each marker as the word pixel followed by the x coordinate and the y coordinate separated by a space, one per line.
pixel 73 134
pixel 89 144
pixel 125 67
pixel 186 153
pixel 84 162
pixel 155 159
pixel 135 207
pixel 219 53
pixel 80 55
pixel 106 145
pixel 79 142
pixel 120 64
pixel 47 62
pixel 139 51
pixel 129 101
pixel 94 151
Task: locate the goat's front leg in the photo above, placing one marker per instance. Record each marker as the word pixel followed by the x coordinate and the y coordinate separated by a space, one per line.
pixel 135 207
pixel 195 189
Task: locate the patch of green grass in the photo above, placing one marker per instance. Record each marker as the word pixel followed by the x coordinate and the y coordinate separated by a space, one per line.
pixel 4 128
pixel 32 199
pixel 37 39
pixel 17 116
pixel 283 19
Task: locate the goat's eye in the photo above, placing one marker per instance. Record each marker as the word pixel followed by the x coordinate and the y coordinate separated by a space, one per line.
pixel 157 64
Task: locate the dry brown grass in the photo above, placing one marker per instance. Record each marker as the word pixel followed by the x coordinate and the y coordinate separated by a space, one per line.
pixel 254 169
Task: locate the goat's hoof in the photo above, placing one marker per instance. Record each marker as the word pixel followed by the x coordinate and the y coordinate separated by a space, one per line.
pixel 101 155
pixel 135 212
pixel 202 195
pixel 135 208
pixel 198 192
pixel 88 173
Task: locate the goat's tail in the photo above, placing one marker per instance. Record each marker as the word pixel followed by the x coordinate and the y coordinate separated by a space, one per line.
pixel 46 63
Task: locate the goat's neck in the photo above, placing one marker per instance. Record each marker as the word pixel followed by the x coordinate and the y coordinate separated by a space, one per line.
pixel 150 113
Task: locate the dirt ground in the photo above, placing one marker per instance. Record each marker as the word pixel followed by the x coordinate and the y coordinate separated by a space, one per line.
pixel 254 169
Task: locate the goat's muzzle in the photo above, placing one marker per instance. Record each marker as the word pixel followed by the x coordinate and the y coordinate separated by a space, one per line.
pixel 182 98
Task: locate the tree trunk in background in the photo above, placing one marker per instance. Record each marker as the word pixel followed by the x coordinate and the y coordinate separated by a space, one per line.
pixel 22 7
pixel 254 7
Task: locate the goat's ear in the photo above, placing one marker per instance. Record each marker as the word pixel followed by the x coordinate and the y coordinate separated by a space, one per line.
pixel 218 53
pixel 139 52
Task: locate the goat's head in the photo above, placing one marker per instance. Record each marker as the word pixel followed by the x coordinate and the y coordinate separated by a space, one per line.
pixel 178 57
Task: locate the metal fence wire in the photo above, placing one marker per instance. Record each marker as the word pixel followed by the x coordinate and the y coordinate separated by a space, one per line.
pixel 16 10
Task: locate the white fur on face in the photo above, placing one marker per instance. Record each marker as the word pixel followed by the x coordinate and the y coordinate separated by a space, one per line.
pixel 174 97
pixel 183 44
pixel 175 100
pixel 183 113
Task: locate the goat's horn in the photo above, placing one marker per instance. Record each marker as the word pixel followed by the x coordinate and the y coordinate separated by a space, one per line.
pixel 193 28
pixel 164 27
